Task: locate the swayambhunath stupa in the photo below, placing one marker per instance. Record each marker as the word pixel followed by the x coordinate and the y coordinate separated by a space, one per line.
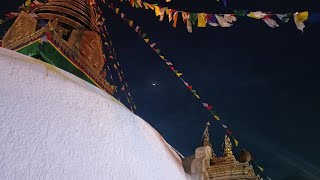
pixel 67 111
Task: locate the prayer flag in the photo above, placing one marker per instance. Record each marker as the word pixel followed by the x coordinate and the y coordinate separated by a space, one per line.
pixel 235 142
pixel 153 45
pixel 27 3
pixel 136 29
pixel 193 18
pixel 216 117
pixel 202 21
pixel 162 11
pixel 132 3
pixel 189 26
pixel 157 51
pixel 240 12
pixel 130 23
pixel 256 15
pixel 185 16
pixel 169 13
pixel 228 131
pixel 145 5
pixel 209 107
pixel 175 19
pixel 151 6
pixel 299 19
pixel 226 20
pixel 224 126
pixel 283 17
pixel 270 22
pixel 225 3
pixel 157 10
pixel 261 169
pixel 211 20
pixel 144 35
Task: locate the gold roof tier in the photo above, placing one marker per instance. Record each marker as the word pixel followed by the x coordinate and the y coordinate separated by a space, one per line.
pixel 79 14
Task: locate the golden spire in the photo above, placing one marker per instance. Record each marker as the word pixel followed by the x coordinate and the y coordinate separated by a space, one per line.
pixel 227 147
pixel 205 136
pixel 206 139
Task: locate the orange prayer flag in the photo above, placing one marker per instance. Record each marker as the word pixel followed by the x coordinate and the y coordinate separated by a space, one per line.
pixel 175 19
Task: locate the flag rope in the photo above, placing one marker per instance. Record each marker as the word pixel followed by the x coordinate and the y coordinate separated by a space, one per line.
pixel 170 65
pixel 201 19
pixel 113 58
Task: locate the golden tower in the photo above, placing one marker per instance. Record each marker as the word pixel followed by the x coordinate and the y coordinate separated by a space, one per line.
pixel 65 33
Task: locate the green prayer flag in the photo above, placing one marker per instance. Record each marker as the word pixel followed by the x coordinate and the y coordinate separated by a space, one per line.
pixel 193 17
pixel 240 12
pixel 157 51
pixel 284 17
pixel 144 35
pixel 136 5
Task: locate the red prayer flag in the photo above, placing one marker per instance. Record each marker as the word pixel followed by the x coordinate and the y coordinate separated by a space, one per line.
pixel 228 131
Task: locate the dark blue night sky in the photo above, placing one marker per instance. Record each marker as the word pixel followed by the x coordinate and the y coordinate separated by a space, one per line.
pixel 263 82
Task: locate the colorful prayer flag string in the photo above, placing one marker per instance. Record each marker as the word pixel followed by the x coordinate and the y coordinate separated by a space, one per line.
pixel 178 73
pixel 113 58
pixel 203 19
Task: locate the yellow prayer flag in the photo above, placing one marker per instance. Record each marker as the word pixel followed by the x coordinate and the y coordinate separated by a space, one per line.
pixel 168 11
pixel 130 23
pixel 27 3
pixel 157 10
pixel 261 169
pixel 179 74
pixel 299 19
pixel 146 40
pixel 256 15
pixel 197 96
pixel 162 57
pixel 303 16
pixel 117 10
pixel 236 142
pixel 202 21
pixel 216 117
pixel 145 5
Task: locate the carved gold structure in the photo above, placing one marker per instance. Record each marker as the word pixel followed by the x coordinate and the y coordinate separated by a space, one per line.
pixel 74 31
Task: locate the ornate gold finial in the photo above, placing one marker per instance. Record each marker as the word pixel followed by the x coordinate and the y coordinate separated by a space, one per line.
pixel 227 147
pixel 206 139
pixel 205 136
